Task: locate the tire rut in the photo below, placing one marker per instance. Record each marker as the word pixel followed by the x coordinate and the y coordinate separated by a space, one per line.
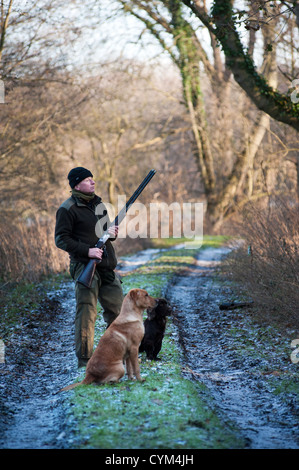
pixel 32 414
pixel 239 390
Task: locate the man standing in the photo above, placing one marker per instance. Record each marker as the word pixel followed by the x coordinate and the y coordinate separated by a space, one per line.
pixel 75 232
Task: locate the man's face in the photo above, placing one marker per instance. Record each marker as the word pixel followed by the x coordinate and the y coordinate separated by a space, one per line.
pixel 86 186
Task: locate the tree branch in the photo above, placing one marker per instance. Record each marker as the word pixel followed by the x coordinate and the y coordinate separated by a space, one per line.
pixel 279 106
pixel 4 23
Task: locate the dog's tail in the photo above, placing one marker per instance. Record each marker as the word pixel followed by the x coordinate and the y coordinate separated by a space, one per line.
pixel 86 381
pixel 70 387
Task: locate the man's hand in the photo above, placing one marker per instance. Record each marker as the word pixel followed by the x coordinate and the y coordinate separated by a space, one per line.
pixel 113 231
pixel 95 253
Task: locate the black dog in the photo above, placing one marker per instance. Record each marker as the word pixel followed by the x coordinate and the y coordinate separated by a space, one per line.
pixel 154 327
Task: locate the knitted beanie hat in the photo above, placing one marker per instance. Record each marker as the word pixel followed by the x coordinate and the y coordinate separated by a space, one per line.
pixel 76 175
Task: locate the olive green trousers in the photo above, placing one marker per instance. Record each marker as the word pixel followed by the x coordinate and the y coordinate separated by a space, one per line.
pixel 106 288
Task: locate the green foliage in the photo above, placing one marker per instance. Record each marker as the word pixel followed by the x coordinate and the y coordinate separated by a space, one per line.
pixel 215 240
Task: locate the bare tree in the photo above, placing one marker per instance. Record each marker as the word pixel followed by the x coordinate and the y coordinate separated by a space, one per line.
pixel 126 126
pixel 177 34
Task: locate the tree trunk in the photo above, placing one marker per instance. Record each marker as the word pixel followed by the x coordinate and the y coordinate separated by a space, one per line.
pixel 224 203
pixel 219 208
pixel 203 154
pixel 260 91
pixel 187 45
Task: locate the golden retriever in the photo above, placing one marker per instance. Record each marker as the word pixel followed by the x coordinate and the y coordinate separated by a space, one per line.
pixel 120 343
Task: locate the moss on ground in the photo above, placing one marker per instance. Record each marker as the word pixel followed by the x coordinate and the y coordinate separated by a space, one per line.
pixel 19 301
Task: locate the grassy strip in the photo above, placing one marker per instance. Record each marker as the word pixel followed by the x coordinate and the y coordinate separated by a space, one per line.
pixel 167 411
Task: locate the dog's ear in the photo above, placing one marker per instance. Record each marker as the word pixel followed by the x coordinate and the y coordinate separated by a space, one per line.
pixel 164 307
pixel 151 313
pixel 168 310
pixel 133 294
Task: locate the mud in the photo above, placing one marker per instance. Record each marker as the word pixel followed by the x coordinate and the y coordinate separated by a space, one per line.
pixel 238 383
pixel 39 359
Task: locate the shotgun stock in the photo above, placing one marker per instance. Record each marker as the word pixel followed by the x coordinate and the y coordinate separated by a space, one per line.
pixel 87 274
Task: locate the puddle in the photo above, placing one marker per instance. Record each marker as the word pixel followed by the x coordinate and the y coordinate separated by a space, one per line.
pixel 130 263
pixel 241 395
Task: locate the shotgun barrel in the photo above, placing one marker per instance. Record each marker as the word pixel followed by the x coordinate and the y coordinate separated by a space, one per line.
pixel 87 273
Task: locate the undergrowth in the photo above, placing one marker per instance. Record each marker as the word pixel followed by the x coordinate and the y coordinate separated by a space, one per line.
pixel 266 263
pixel 20 300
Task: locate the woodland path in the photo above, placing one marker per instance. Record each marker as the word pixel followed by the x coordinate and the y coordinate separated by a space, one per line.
pixel 40 358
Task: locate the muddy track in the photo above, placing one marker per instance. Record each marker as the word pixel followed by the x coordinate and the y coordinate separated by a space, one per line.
pixel 240 391
pixel 40 359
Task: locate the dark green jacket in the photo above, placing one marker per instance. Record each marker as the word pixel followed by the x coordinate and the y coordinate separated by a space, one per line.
pixel 75 231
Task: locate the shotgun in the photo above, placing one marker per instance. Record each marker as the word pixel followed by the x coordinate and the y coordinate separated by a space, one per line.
pixel 87 274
